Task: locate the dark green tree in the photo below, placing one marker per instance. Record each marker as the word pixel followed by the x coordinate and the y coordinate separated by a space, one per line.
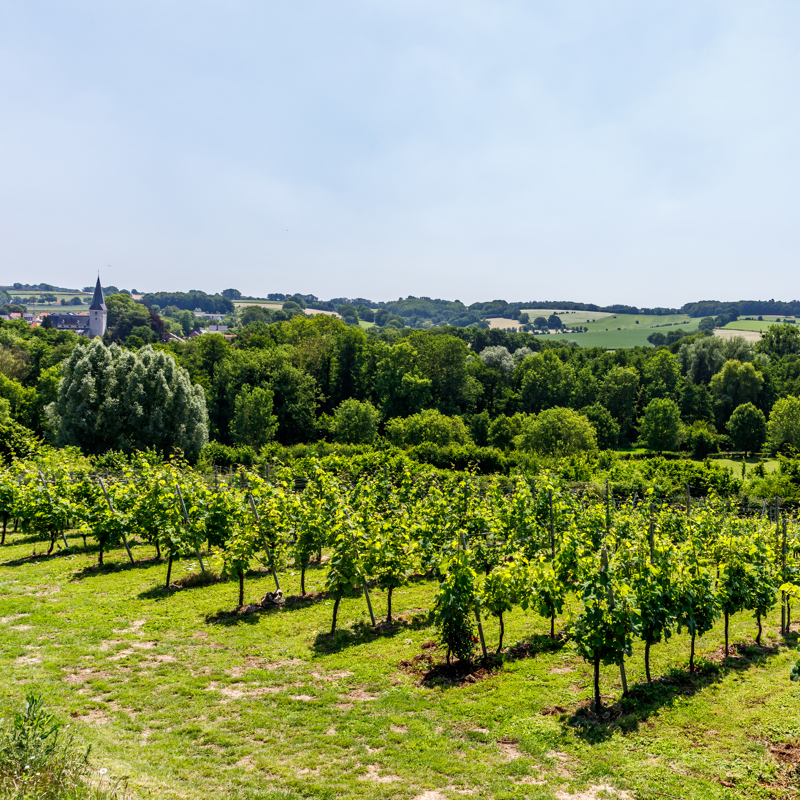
pixel 748 428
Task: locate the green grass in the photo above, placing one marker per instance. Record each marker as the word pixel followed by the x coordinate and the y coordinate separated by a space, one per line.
pixel 770 465
pixel 569 318
pixel 53 308
pixel 752 324
pixel 267 706
pixel 265 303
pixel 631 330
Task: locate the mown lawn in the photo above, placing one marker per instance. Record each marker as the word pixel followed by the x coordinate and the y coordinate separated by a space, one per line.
pixel 267 706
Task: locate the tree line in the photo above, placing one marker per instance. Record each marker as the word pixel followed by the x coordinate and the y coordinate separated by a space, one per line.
pixel 307 379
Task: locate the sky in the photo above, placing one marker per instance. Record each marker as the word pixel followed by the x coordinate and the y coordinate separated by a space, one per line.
pixel 591 150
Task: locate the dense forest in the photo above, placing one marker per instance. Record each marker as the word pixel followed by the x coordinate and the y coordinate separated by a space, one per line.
pixel 308 379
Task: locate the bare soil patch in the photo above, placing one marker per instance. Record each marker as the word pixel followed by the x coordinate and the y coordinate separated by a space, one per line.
pixel 84 675
pixel 361 695
pixel 332 676
pixel 508 747
pixel 600 792
pixel 374 775
pixel 786 752
pixel 134 628
pixel 94 716
pixel 6 620
pixel 27 661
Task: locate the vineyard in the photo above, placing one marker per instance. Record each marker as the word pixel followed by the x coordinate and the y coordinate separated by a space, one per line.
pixel 599 575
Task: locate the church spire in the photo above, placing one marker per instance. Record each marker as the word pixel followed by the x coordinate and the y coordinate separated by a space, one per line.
pixel 98 301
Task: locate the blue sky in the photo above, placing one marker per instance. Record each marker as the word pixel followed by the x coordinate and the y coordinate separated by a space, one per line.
pixel 636 152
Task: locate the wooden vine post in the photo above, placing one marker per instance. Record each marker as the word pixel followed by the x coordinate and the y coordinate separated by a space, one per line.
pixel 50 500
pixel 552 525
pixel 188 521
pixel 477 610
pixel 622 674
pixel 786 622
pixel 111 509
pixel 264 542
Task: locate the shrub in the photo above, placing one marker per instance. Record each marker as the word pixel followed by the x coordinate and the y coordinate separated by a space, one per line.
pixel 37 759
pixel 427 426
pixel 702 439
pixel 355 422
pixel 558 432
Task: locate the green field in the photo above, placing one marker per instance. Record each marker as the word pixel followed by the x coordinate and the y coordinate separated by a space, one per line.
pixel 752 324
pixel 264 303
pixel 57 308
pixel 569 318
pixel 191 705
pixel 630 330
pixel 770 465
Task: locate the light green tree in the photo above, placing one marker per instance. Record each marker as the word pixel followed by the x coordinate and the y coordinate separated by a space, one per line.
pixel 109 397
pixel 427 426
pixel 253 420
pixel 662 376
pixel 355 422
pixel 736 383
pixel 661 425
pixel 784 423
pixel 545 382
pixel 558 432
pixel 780 340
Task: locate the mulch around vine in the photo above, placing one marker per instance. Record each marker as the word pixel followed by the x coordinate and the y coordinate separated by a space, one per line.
pixel 272 601
pixel 431 671
pixel 786 752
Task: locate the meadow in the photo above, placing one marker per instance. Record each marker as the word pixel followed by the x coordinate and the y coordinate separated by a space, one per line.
pixel 191 700
pixel 569 318
pixel 748 324
pixel 619 331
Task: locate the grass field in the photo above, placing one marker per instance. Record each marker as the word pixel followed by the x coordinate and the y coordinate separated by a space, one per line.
pixel 752 324
pixel 264 303
pixel 192 705
pixel 630 330
pixel 569 318
pixel 770 465
pixel 55 308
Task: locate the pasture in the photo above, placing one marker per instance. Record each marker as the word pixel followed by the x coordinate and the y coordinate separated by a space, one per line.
pixel 191 702
pixel 749 324
pixel 569 318
pixel 631 330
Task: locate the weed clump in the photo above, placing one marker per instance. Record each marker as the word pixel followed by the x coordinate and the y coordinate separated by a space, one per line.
pixel 38 759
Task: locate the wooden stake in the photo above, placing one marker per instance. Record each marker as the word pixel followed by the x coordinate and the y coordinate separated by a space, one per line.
pixel 188 521
pixel 264 542
pixel 111 508
pixel 477 609
pixel 50 500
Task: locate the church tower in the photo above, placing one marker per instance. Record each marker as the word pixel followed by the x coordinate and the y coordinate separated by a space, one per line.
pixel 98 313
